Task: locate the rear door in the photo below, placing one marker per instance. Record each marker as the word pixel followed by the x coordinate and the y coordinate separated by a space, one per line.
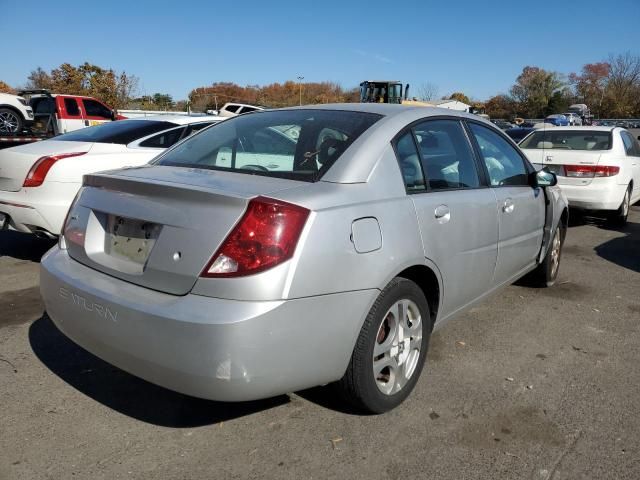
pixel 456 211
pixel 69 114
pixel 520 208
pixel 95 112
pixel 632 149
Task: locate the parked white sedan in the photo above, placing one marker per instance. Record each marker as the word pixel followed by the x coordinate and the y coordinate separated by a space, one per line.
pixel 38 181
pixel 598 168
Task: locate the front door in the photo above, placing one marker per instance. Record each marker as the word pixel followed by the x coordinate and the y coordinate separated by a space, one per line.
pixel 520 207
pixel 95 112
pixel 455 211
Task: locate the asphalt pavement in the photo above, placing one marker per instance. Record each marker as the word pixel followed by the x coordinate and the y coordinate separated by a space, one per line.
pixel 533 384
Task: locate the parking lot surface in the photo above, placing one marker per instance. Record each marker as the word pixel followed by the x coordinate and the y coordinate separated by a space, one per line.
pixel 532 384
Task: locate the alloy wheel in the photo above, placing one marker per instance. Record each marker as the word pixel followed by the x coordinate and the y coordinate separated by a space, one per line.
pixel 8 122
pixel 397 348
pixel 555 254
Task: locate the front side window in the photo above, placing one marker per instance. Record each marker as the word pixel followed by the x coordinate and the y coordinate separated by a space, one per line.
pixel 95 109
pixel 446 154
pixel 568 140
pixel 504 163
pixel 262 144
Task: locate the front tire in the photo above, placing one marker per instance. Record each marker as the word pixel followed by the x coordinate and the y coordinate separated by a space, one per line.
pixel 390 351
pixel 546 273
pixel 11 122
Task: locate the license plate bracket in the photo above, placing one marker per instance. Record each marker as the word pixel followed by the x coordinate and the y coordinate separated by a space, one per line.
pixel 129 239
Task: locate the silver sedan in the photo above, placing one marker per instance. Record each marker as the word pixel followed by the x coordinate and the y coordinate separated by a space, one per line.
pixel 286 249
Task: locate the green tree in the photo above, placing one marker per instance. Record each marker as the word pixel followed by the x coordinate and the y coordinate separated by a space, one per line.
pixel 501 106
pixel 533 90
pixel 111 87
pixel 460 97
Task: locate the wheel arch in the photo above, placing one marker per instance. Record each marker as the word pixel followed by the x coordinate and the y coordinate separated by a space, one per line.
pixel 13 109
pixel 429 282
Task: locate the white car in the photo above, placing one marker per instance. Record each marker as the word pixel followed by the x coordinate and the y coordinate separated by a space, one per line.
pixel 15 114
pixel 598 168
pixel 574 119
pixel 38 181
pixel 232 109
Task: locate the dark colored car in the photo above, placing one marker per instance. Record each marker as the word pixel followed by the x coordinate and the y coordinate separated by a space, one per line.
pixel 518 133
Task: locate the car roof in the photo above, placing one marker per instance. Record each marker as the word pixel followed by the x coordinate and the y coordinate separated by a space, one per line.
pixel 389 110
pixel 179 119
pixel 586 129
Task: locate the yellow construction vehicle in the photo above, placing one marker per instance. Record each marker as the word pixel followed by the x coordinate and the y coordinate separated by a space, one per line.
pixel 387 91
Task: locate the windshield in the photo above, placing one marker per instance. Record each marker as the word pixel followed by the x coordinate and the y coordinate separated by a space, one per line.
pixel 121 132
pixel 568 140
pixel 296 144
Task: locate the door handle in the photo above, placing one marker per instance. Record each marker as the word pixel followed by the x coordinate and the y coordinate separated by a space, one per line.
pixel 508 206
pixel 442 214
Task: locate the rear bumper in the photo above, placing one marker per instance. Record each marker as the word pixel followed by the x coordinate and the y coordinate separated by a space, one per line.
pixel 38 208
pixel 212 348
pixel 600 194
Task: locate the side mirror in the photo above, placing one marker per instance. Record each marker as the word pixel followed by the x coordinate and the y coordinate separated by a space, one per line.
pixel 545 178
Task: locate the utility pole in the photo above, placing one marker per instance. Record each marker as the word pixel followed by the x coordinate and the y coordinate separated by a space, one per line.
pixel 300 85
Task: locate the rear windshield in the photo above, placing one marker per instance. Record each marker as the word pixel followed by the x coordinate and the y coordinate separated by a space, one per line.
pixel 122 131
pixel 296 144
pixel 568 140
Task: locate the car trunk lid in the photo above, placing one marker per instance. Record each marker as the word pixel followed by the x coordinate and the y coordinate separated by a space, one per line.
pixel 158 226
pixel 557 160
pixel 16 162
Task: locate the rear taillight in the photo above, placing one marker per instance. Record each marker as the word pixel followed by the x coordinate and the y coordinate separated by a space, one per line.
pixel 266 235
pixel 39 171
pixel 590 171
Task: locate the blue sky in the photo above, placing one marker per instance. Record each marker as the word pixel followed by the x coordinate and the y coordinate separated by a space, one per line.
pixel 478 47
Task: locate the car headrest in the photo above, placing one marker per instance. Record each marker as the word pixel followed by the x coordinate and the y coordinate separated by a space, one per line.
pixel 545 145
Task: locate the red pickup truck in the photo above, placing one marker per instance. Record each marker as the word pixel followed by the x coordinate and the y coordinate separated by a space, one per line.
pixel 55 114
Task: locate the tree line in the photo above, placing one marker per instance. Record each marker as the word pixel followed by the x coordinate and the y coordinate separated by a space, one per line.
pixel 611 88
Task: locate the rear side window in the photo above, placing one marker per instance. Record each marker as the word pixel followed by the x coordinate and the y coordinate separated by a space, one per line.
pixel 232 108
pixel 504 163
pixel 264 143
pixel 95 109
pixel 164 139
pixel 568 140
pixel 121 132
pixel 631 146
pixel 446 154
pixel 410 165
pixel 71 106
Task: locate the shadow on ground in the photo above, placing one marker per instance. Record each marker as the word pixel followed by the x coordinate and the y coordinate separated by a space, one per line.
pixel 127 394
pixel 623 251
pixel 23 246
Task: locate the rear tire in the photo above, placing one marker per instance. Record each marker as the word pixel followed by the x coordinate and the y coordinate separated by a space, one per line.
pixel 619 218
pixel 390 352
pixel 546 273
pixel 11 122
